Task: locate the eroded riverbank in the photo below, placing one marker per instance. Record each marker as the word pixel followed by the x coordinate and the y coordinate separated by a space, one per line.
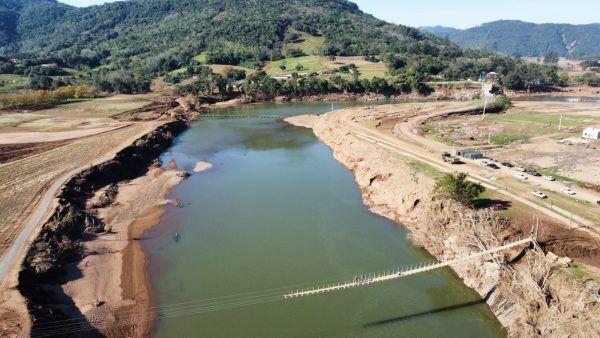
pixel 528 293
pixel 276 211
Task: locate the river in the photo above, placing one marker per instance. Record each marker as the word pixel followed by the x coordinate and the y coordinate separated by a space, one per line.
pixel 277 211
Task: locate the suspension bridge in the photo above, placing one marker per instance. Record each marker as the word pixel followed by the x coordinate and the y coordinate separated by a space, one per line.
pixel 403 272
pixel 194 307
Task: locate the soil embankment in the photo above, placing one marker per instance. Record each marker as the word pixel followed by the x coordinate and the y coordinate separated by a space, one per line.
pixel 530 293
pixel 87 265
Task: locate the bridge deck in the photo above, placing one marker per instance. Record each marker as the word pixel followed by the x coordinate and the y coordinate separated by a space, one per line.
pixel 399 273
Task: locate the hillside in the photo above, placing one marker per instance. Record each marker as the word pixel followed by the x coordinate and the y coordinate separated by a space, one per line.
pixel 245 30
pixel 520 38
pixel 122 46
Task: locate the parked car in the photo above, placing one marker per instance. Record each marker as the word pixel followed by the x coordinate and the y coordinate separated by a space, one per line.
pixel 520 176
pixel 507 164
pixel 533 173
pixel 550 178
pixel 493 166
pixel 539 194
pixel 500 206
pixel 484 162
pixel 521 169
pixel 568 191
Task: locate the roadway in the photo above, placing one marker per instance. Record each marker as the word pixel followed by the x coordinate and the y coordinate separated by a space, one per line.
pixel 412 145
pixel 46 205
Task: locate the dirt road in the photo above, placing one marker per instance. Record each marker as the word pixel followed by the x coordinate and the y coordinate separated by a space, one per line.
pixel 406 130
pixel 428 151
pixel 46 203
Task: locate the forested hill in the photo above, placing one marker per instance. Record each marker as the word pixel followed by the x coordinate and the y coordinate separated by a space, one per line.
pixel 121 46
pixel 528 39
pixel 254 30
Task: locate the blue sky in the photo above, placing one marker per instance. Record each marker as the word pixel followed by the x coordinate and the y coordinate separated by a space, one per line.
pixel 466 13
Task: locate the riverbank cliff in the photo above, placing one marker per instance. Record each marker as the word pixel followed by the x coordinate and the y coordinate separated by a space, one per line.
pixel 84 273
pixel 531 293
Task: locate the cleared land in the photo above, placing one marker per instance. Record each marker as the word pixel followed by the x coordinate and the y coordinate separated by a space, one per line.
pixel 22 181
pixel 102 107
pixel 10 82
pixel 309 44
pixel 528 135
pixel 38 147
pixel 314 64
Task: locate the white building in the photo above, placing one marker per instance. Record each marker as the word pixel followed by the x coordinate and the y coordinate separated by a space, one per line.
pixel 591 133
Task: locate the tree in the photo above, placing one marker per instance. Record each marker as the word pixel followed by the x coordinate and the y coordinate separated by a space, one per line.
pixel 457 188
pixel 551 57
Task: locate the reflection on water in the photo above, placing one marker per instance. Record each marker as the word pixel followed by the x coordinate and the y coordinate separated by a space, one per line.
pixel 277 211
pixel 559 99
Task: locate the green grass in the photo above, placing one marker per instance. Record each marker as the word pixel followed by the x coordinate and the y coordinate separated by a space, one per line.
pixel 427 128
pixel 507 138
pixel 220 69
pixel 578 271
pixel 423 168
pixel 569 120
pixel 309 44
pixel 311 63
pixel 10 82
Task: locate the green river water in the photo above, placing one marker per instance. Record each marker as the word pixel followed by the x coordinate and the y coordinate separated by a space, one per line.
pixel 277 211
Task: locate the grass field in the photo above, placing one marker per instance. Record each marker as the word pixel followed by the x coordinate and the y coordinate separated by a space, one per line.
pixel 14 120
pixel 568 120
pixel 507 138
pixel 311 63
pixel 102 107
pixel 220 69
pixel 307 43
pixel 10 82
pixel 21 182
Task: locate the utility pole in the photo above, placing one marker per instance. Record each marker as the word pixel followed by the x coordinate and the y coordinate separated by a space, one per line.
pixel 484 107
pixel 560 122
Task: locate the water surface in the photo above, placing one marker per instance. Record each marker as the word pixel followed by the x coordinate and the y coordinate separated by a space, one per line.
pixel 276 211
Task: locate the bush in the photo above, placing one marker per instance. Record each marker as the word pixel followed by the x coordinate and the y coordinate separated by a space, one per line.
pixel 457 188
pixel 34 97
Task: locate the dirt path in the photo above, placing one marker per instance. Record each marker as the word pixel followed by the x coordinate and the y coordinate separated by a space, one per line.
pixel 46 203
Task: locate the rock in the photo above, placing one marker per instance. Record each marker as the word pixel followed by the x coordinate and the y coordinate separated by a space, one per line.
pixel 202 166
pixel 183 174
pixel 551 256
pixel 565 262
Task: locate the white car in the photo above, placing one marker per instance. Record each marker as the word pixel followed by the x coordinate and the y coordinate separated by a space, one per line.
pixel 520 176
pixel 484 162
pixel 568 191
pixel 521 169
pixel 539 194
pixel 550 178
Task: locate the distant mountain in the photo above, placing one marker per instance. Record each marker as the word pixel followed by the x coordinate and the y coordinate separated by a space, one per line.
pixel 520 38
pixel 439 30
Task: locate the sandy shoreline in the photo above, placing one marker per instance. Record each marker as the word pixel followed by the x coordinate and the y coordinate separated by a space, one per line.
pixel 113 291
